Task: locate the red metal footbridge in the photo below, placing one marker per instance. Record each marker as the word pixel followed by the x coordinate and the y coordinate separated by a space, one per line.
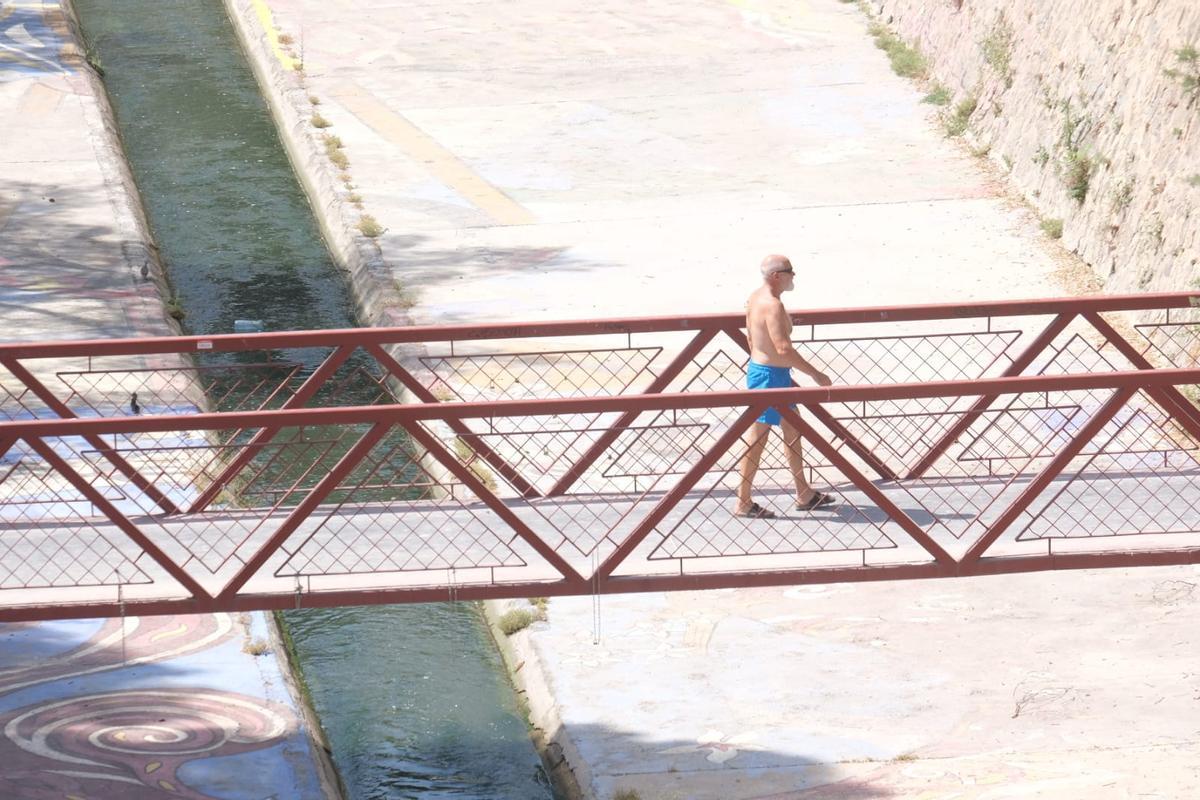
pixel 317 468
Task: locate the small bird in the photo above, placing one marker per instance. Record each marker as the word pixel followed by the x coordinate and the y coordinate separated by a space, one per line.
pixel 146 269
pixel 134 408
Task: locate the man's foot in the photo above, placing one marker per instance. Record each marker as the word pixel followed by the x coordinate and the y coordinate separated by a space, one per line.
pixel 755 511
pixel 818 500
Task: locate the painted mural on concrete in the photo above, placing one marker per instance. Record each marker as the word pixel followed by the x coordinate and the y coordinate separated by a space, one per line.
pixel 128 708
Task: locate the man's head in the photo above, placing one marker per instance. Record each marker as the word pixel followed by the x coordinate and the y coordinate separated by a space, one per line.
pixel 777 273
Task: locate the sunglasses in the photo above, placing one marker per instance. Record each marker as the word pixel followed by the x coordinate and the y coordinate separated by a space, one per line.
pixel 785 272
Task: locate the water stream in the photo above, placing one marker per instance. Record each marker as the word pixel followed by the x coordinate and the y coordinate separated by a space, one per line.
pixel 413 698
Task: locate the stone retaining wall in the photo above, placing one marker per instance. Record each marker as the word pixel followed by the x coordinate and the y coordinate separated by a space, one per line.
pixel 1075 103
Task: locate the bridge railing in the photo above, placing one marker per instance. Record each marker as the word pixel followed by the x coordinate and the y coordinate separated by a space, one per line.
pixel 1009 438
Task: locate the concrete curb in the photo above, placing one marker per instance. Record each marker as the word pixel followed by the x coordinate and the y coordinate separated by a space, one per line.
pixel 370 277
pixel 567 769
pixel 149 317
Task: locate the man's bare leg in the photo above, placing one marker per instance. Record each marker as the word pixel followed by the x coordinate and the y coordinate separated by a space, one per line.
pixel 791 442
pixel 756 440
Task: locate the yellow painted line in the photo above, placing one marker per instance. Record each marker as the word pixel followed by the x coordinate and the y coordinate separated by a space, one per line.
pixel 444 165
pixel 171 634
pixel 38 101
pixel 268 25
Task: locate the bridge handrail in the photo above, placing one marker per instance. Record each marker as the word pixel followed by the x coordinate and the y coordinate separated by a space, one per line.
pixel 619 325
pixel 451 410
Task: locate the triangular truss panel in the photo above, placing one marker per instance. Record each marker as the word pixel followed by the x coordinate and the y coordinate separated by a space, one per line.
pixel 1139 475
pixel 393 514
pixel 702 532
pixel 52 537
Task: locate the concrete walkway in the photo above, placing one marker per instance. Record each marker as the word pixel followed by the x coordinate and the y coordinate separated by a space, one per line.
pixel 555 161
pixel 193 706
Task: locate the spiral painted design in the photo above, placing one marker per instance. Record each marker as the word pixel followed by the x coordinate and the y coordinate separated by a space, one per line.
pixel 138 737
pixel 122 643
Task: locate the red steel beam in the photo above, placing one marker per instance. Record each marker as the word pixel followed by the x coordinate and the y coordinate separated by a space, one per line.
pixel 435 449
pixel 469 437
pixel 365 336
pixel 1169 397
pixel 672 370
pixel 59 465
pixel 282 601
pixel 110 454
pixel 415 412
pixel 264 435
pixel 1035 348
pixel 1051 471
pixel 304 509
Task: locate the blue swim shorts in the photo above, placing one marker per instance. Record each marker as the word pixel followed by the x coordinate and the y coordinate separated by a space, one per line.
pixel 762 376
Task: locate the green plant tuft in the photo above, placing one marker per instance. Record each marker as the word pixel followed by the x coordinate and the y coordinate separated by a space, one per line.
pixel 1053 228
pixel 540 604
pixel 257 647
pixel 997 49
pixel 174 309
pixel 319 121
pixel 956 123
pixel 1194 180
pixel 626 794
pixel 515 620
pixel 369 227
pixel 939 95
pixel 1188 72
pixel 906 61
pixel 1077 174
pixel 333 149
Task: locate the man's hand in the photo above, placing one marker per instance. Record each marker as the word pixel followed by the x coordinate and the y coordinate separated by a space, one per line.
pixel 822 379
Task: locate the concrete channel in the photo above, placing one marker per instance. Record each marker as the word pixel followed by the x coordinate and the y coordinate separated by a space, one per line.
pixel 641 168
pixel 598 160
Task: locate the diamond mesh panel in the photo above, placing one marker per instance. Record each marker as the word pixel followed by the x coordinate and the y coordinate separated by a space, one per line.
pixel 703 525
pixel 83 551
pixel 565 373
pixel 392 515
pixel 1141 475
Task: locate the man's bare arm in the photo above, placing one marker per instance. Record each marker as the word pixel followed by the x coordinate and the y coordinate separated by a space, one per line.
pixel 778 330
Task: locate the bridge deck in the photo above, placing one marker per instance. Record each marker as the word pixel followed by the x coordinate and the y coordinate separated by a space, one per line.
pixel 538 461
pixel 444 545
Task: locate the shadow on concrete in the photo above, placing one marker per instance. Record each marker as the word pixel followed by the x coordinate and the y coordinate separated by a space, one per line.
pixel 419 268
pixel 61 276
pixel 671 768
pixel 28 44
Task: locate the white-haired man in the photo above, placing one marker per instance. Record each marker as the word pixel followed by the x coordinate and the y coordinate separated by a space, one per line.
pixel 772 357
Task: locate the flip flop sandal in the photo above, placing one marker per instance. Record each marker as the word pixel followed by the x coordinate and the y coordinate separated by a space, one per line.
pixel 818 500
pixel 755 511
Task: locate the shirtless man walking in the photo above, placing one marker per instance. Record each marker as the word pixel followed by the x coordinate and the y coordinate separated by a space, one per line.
pixel 772 357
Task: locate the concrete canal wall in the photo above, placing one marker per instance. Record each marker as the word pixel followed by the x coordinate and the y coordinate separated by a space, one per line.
pixel 1085 105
